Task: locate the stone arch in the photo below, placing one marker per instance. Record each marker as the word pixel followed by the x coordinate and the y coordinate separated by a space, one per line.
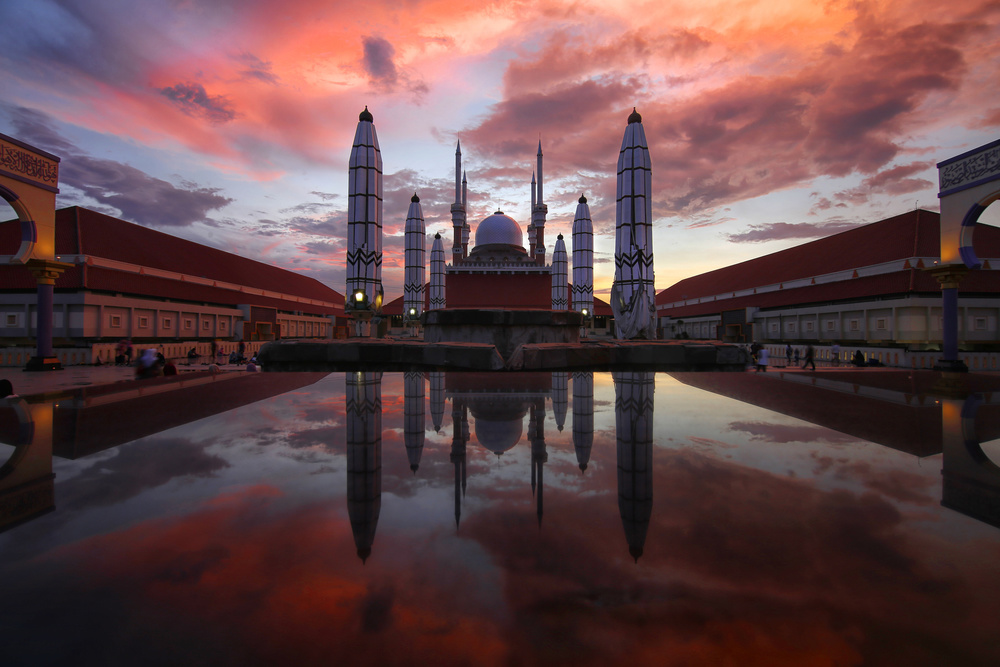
pixel 968 184
pixel 29 180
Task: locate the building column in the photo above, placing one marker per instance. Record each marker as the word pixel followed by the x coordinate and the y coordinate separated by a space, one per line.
pixel 45 272
pixel 949 276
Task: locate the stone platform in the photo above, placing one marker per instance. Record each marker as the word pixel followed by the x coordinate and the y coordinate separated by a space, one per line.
pixel 506 330
pixel 392 354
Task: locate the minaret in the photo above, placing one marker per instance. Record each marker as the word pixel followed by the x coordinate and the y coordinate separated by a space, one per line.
pixel 583 259
pixel 531 224
pixel 413 417
pixel 364 225
pixel 583 417
pixel 416 240
pixel 634 432
pixel 632 295
pixel 436 298
pixel 560 389
pixel 560 288
pixel 465 207
pixel 458 210
pixel 364 457
pixel 539 210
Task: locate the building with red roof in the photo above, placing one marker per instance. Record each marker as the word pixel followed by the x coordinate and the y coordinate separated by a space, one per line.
pixel 863 287
pixel 130 281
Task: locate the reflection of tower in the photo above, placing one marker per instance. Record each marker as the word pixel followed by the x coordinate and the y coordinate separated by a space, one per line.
pixel 632 297
pixel 437 399
pixel 583 258
pixel 436 297
pixel 634 429
pixel 364 457
pixel 413 417
pixel 539 456
pixel 560 387
pixel 560 286
pixel 364 225
pixel 416 241
pixel 459 438
pixel 583 417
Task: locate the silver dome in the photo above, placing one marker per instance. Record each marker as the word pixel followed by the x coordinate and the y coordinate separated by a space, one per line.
pixel 499 228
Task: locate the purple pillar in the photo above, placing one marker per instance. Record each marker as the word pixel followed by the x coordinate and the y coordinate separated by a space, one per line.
pixel 44 314
pixel 949 276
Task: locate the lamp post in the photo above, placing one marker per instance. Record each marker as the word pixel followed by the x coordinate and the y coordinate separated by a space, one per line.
pixel 585 323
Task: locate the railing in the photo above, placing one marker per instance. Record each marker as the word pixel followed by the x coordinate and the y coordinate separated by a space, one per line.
pixel 105 352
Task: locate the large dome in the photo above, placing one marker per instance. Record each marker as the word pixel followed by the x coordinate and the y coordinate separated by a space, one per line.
pixel 499 228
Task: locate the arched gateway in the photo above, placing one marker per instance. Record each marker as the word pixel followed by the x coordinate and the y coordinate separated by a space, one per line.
pixel 29 180
pixel 968 184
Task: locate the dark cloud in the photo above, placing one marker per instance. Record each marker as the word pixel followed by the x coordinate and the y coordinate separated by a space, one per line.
pixel 119 189
pixel 779 231
pixel 194 100
pixel 893 181
pixel 256 68
pixel 377 61
pixel 141 198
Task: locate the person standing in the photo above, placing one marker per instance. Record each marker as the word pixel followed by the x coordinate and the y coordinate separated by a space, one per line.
pixel 762 358
pixel 835 354
pixel 788 355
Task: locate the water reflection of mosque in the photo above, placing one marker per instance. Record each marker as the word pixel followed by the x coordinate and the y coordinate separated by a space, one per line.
pixel 498 404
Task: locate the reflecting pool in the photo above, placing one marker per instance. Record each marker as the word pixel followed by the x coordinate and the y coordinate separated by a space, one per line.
pixel 503 519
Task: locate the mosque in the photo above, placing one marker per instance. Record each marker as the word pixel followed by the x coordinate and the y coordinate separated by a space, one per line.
pixel 501 271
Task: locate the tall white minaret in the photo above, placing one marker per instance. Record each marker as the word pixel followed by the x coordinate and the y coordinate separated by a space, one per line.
pixel 560 288
pixel 364 221
pixel 458 210
pixel 415 237
pixel 633 298
pixel 539 210
pixel 583 259
pixel 436 298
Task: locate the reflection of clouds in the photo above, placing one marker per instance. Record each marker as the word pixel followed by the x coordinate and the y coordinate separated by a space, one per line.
pixel 785 433
pixel 142 465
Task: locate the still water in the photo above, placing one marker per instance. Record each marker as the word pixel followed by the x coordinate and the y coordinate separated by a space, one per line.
pixel 502 519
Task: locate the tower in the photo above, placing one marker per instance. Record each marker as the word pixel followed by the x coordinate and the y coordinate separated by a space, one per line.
pixel 458 222
pixel 583 259
pixel 634 433
pixel 416 240
pixel 633 299
pixel 539 210
pixel 364 457
pixel 560 287
pixel 437 297
pixel 413 417
pixel 364 226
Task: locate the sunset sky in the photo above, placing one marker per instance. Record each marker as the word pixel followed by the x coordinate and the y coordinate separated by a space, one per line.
pixel 770 123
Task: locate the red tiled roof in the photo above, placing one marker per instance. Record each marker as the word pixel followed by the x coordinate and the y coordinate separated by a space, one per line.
pixel 80 231
pixel 912 234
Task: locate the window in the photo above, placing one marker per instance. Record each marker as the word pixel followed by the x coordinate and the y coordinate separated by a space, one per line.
pixel 791 327
pixel 167 323
pixel 222 325
pixel 12 319
pixel 143 322
pixel 115 321
pixel 774 326
pixel 980 324
pixel 188 324
pixel 809 326
pixel 880 324
pixel 831 325
pixel 855 325
pixel 205 325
